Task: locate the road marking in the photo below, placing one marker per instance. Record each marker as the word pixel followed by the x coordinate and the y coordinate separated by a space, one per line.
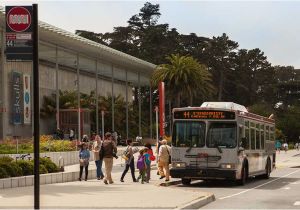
pixel 229 196
pixel 286 188
pixel 297 203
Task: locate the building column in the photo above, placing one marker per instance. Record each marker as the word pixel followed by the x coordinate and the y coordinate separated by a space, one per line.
pixel 96 95
pixel 127 130
pixel 78 99
pixel 57 88
pixel 112 100
pixel 140 104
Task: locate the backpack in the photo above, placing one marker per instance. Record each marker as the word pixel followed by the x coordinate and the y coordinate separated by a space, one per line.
pixel 140 163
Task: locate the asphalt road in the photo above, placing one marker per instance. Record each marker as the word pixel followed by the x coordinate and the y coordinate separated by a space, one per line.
pixel 281 191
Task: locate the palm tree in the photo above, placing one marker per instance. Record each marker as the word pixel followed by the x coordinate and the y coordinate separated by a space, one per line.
pixel 185 78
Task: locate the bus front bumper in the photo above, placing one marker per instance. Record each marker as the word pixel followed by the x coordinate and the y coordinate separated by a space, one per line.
pixel 207 173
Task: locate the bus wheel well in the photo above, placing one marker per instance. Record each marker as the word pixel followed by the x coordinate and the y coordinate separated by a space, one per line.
pixel 246 165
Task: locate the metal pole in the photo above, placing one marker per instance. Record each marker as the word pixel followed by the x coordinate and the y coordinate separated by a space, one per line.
pixel 57 89
pixel 140 104
pixel 170 118
pixel 156 123
pixel 36 108
pixel 150 94
pixel 3 82
pixel 97 108
pixel 102 118
pixel 112 100
pixel 127 128
pixel 78 99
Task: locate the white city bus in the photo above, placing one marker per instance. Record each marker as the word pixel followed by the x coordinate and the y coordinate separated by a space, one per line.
pixel 221 140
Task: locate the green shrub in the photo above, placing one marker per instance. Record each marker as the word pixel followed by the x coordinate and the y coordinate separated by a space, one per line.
pixel 26 166
pixel 291 145
pixel 6 159
pixel 50 166
pixel 12 169
pixel 3 173
pixel 43 169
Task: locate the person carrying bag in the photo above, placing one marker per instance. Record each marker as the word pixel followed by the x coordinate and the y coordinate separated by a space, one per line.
pixel 129 162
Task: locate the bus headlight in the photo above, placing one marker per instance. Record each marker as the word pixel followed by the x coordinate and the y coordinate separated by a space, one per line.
pixel 179 165
pixel 227 165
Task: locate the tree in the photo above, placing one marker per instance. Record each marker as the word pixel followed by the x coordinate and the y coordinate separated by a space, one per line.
pixel 184 78
pixel 219 55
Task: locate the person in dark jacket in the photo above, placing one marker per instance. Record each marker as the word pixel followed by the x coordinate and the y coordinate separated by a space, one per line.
pixel 109 151
pixel 129 161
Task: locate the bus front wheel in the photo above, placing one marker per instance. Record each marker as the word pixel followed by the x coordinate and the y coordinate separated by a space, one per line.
pixel 186 181
pixel 243 179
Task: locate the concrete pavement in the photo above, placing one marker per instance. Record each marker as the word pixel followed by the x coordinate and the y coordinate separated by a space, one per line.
pixel 95 194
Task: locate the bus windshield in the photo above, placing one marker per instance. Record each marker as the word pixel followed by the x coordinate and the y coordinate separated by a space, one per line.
pixel 188 134
pixel 222 135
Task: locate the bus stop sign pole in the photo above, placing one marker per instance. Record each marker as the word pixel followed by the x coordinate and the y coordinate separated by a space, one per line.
pixel 36 108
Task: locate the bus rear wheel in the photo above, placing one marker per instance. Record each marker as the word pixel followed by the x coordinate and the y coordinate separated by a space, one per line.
pixel 268 170
pixel 186 181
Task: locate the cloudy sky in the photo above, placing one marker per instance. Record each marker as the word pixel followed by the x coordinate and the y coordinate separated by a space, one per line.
pixel 272 26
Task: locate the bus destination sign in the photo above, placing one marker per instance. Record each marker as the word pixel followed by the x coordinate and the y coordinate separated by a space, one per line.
pixel 204 114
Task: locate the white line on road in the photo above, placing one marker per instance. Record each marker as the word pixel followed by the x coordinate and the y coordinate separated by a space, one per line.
pixel 297 203
pixel 229 196
pixel 286 188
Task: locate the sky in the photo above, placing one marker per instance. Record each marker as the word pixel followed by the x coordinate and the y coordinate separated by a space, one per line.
pixel 272 26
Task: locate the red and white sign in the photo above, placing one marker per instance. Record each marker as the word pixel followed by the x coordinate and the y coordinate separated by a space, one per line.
pixel 18 19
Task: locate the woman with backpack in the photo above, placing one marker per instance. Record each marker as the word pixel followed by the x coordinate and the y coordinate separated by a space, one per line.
pixel 129 161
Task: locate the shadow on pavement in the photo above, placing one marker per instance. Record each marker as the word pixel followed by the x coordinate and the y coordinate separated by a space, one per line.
pixel 252 182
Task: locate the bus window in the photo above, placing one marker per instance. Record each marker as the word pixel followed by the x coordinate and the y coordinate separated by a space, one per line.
pixel 252 138
pixel 222 134
pixel 271 133
pixel 247 138
pixel 267 133
pixel 188 134
pixel 257 139
pixel 247 124
pixel 262 140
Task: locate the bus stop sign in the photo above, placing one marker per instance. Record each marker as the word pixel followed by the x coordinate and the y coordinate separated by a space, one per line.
pixel 18 19
pixel 19 33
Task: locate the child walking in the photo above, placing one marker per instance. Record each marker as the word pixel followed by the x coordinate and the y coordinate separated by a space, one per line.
pixel 141 165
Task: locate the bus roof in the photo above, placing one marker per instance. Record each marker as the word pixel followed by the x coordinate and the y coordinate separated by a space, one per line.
pixel 224 105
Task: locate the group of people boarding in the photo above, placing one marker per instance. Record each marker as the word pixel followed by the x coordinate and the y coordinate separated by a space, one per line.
pixel 106 150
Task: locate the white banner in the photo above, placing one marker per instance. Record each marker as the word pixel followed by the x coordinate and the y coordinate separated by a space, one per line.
pixel 27 99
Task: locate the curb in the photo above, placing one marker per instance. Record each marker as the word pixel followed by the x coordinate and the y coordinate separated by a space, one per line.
pixel 199 202
pixel 167 184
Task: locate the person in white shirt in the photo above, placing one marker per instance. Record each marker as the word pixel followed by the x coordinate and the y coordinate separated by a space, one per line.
pixel 163 160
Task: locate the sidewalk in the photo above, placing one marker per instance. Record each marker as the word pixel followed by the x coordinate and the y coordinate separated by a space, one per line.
pixel 291 158
pixel 95 194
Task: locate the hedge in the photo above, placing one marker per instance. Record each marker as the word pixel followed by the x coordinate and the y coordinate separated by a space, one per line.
pixel 10 168
pixel 26 166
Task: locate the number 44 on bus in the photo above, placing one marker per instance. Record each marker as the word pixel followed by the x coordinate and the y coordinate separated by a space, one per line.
pixel 221 140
